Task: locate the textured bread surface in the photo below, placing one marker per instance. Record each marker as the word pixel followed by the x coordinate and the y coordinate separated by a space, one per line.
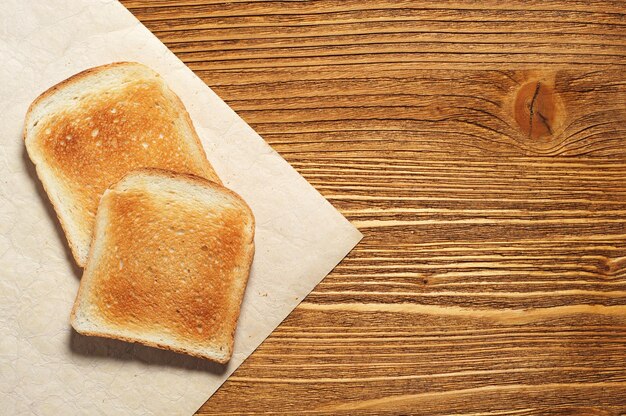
pixel 87 132
pixel 168 265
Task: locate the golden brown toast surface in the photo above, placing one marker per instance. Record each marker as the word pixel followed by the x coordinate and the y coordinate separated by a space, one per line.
pixel 127 122
pixel 169 265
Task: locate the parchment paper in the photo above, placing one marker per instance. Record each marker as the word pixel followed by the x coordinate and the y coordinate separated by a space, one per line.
pixel 45 367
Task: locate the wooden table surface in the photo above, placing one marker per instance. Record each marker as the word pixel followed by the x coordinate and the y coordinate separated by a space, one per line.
pixel 480 148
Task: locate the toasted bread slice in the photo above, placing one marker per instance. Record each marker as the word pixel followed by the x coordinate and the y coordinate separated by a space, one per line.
pixel 87 132
pixel 168 265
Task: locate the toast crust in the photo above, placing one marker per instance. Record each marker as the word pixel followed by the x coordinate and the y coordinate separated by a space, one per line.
pixel 90 141
pixel 189 286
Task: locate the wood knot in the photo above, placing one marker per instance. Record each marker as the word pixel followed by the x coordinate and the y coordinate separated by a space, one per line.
pixel 536 109
pixel 611 268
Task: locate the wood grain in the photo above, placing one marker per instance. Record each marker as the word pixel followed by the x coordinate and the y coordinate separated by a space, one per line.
pixel 480 148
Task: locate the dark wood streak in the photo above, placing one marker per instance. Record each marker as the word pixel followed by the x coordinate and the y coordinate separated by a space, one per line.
pixel 531 109
pixel 480 149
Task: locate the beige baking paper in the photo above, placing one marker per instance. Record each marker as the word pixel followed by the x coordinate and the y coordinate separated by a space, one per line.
pixel 47 369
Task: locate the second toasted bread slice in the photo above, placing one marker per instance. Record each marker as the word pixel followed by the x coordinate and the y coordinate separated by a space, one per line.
pixel 87 132
pixel 168 264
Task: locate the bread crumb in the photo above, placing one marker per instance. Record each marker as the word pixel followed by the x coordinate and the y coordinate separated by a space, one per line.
pixel 145 145
pixel 95 132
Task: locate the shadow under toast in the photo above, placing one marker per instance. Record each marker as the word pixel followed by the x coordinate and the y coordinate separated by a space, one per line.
pixel 112 349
